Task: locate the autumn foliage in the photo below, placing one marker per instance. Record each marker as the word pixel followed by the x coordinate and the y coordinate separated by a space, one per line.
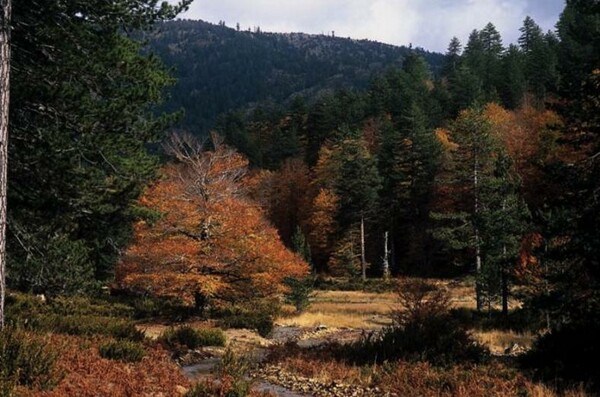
pixel 211 242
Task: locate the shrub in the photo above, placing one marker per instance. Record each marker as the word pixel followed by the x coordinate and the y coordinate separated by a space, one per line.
pixel 152 307
pixel 192 338
pixel 233 370
pixel 121 350
pixel 26 359
pixel 87 326
pixel 83 306
pixel 422 330
pixel 261 322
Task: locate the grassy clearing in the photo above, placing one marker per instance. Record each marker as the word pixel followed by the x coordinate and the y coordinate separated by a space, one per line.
pixel 337 309
pixel 366 310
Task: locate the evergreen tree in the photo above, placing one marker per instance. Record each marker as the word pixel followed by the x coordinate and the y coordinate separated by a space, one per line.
pixel 452 57
pixel 502 223
pixel 300 245
pixel 464 88
pixel 492 52
pixel 513 84
pixel 474 54
pixel 357 186
pixel 81 119
pixel 540 61
pixel 471 167
pixel 408 162
pixel 530 34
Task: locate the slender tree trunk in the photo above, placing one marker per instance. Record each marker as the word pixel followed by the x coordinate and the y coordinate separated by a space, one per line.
pixel 546 286
pixel 504 274
pixel 5 14
pixel 504 286
pixel 363 260
pixel 386 261
pixel 478 287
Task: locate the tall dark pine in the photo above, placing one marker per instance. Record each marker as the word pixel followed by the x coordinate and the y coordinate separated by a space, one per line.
pixel 540 61
pixel 452 56
pixel 5 17
pixel 357 185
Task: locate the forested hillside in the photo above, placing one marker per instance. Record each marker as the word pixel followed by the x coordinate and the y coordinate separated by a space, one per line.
pixel 220 68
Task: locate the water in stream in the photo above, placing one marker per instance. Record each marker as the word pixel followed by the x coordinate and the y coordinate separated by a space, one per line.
pixel 203 370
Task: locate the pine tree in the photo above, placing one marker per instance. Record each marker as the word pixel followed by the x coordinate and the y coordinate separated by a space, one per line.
pixel 502 223
pixel 357 186
pixel 300 245
pixel 452 57
pixel 470 168
pixel 513 84
pixel 82 116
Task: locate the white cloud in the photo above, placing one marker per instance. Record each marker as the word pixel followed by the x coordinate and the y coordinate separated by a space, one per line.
pixel 426 23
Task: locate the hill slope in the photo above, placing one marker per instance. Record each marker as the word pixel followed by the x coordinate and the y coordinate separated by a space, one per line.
pixel 220 69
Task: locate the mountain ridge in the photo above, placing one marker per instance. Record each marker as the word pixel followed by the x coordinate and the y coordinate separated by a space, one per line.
pixel 220 69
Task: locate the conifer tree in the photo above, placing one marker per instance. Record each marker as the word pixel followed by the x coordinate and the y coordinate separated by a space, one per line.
pixel 82 116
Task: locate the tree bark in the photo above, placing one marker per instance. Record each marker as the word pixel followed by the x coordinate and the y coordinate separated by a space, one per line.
pixel 504 274
pixel 478 287
pixel 363 259
pixel 5 15
pixel 386 261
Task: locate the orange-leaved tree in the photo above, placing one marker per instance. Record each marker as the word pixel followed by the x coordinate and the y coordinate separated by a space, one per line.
pixel 210 242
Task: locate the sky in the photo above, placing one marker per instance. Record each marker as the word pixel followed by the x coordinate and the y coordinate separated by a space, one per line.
pixel 424 23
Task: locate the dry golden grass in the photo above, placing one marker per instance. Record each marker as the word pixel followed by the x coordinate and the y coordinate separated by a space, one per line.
pixel 367 310
pixel 498 340
pixel 351 309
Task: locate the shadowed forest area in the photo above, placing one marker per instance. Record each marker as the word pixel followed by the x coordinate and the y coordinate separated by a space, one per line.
pixel 198 210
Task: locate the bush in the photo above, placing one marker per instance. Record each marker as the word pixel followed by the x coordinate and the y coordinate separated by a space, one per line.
pixel 27 360
pixel 438 340
pixel 25 309
pixel 82 306
pixel 192 338
pixel 87 326
pixel 152 307
pixel 422 330
pixel 260 322
pixel 233 370
pixel 125 351
pixel 519 320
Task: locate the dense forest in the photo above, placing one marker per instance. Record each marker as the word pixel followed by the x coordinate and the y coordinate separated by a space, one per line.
pixel 304 170
pixel 219 68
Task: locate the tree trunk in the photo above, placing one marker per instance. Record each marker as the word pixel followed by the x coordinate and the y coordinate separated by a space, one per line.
pixel 5 14
pixel 363 259
pixel 478 287
pixel 504 286
pixel 504 275
pixel 386 261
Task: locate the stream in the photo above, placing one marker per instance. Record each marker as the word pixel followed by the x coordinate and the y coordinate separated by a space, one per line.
pixel 203 370
pixel 304 337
